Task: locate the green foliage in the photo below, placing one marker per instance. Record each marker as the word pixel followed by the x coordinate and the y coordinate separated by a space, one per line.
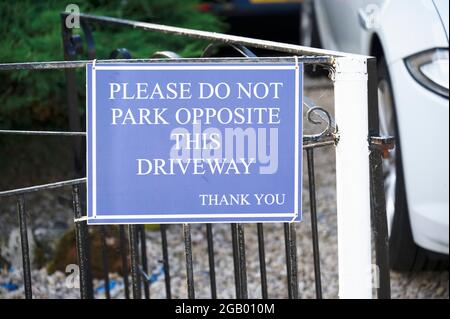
pixel 30 31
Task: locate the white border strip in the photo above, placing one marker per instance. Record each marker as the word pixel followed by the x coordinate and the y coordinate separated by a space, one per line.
pixel 193 67
pixel 88 82
pixel 94 142
pixel 170 216
pixel 296 140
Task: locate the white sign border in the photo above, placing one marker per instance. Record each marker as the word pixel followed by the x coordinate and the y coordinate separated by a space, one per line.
pixel 298 142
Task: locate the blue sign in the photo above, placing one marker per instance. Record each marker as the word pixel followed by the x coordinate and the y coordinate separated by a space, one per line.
pixel 194 143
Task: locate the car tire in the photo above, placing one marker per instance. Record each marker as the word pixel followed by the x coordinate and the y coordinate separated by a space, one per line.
pixel 405 254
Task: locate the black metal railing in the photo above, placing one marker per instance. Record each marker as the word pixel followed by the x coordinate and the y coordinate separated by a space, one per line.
pixel 132 240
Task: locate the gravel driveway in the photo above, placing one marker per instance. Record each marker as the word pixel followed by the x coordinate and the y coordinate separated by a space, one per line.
pixel 46 209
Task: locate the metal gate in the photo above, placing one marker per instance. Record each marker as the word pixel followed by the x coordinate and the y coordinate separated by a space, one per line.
pixel 354 133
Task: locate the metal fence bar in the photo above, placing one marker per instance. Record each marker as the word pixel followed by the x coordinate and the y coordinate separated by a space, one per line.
pixel 77 64
pixel 308 145
pixel 73 46
pixel 189 263
pixel 25 248
pixel 144 260
pixel 242 261
pixel 83 253
pixel 212 268
pixel 165 260
pixel 74 119
pixel 212 36
pixel 45 133
pixel 134 256
pixel 26 190
pixel 104 252
pixel 240 268
pixel 314 231
pixel 235 247
pixel 262 260
pixel 124 257
pixel 291 260
pixel 377 194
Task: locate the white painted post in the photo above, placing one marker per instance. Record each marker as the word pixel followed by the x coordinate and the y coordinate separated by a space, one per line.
pixel 352 178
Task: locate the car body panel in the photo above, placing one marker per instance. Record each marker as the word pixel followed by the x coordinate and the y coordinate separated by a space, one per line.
pixel 424 126
pixel 404 28
pixel 343 29
pixel 442 9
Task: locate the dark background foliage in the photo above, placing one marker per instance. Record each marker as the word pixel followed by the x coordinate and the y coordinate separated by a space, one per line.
pixel 30 31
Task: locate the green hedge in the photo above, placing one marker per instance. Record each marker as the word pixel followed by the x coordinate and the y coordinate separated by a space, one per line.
pixel 30 31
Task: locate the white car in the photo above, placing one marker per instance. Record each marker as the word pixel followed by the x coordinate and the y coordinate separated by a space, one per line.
pixel 410 39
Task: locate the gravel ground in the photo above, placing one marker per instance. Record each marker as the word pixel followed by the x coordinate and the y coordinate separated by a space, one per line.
pixel 48 211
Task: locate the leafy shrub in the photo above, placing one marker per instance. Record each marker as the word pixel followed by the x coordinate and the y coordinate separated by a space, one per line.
pixel 30 31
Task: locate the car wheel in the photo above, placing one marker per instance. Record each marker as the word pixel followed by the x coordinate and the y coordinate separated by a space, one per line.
pixel 405 255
